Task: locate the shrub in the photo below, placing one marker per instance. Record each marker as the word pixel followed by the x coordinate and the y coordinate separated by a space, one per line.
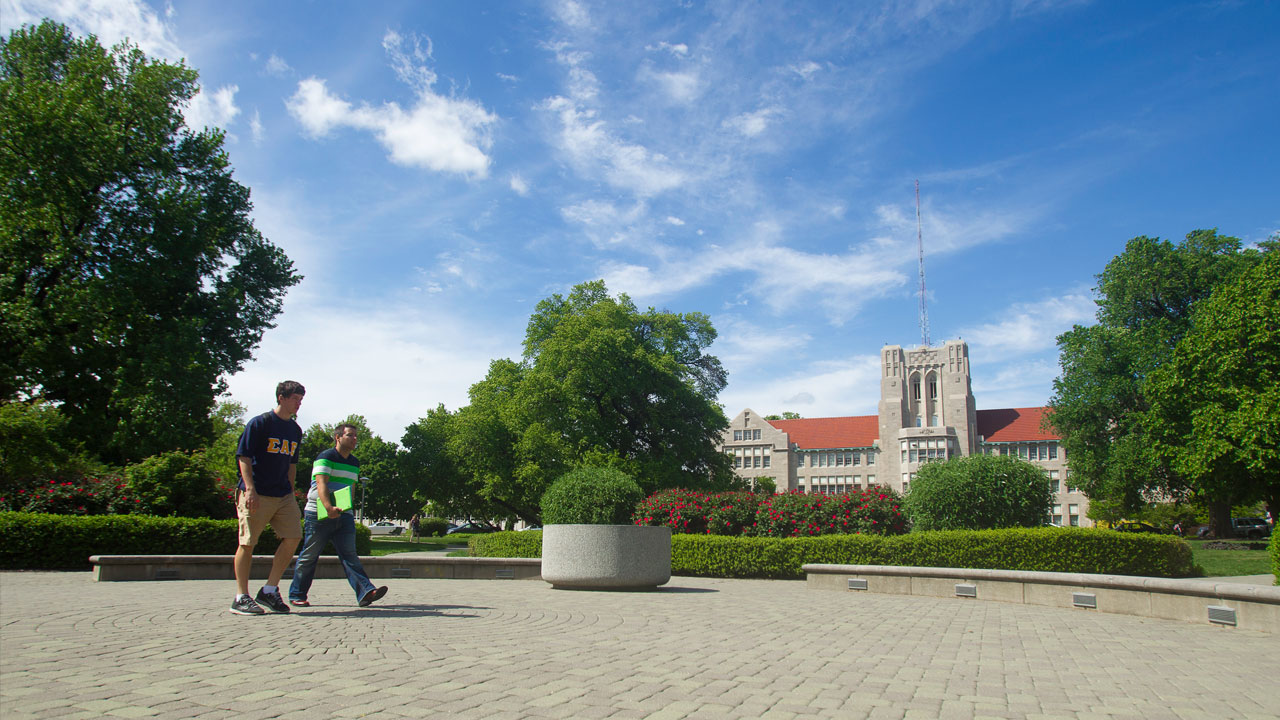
pixel 875 511
pixel 433 527
pixel 507 544
pixel 979 492
pixel 692 511
pixel 35 447
pixel 1274 549
pixel 178 484
pixel 41 541
pixel 1041 549
pixel 591 496
pixel 89 495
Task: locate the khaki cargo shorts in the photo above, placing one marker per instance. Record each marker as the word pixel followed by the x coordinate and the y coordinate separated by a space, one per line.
pixel 281 513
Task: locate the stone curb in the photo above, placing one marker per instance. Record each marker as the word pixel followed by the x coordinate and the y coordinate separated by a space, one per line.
pixel 218 567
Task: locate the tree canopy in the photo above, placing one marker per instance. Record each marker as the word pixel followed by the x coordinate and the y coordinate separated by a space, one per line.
pixel 1148 298
pixel 979 492
pixel 387 492
pixel 601 383
pixel 131 276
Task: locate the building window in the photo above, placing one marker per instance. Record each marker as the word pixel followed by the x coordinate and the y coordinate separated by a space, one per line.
pixel 756 434
pixel 933 421
pixel 1053 451
pixel 767 453
pixel 933 387
pixel 919 421
pixel 871 480
pixel 871 458
pixel 915 388
pixel 737 436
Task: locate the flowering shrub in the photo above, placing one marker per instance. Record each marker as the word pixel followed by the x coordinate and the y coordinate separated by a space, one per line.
pixel 872 511
pixel 89 495
pixel 694 512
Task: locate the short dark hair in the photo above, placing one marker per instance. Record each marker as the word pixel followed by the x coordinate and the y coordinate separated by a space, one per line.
pixel 289 387
pixel 337 432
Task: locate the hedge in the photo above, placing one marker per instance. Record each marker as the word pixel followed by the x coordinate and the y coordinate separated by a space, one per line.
pixel 38 541
pixel 1274 549
pixel 1043 549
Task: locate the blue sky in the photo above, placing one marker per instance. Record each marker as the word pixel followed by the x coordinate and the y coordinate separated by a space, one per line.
pixel 435 169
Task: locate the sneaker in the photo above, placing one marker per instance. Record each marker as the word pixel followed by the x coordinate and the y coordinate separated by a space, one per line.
pixel 272 602
pixel 244 605
pixel 373 596
pixel 299 603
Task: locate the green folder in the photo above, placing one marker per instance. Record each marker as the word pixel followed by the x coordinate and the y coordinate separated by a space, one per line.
pixel 342 498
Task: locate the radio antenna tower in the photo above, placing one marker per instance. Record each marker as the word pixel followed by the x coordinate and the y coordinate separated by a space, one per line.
pixel 924 307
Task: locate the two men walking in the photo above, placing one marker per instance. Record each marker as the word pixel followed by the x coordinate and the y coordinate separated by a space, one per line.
pixel 267 456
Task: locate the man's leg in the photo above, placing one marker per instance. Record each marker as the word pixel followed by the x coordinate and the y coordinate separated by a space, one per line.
pixel 344 541
pixel 316 535
pixel 284 556
pixel 243 566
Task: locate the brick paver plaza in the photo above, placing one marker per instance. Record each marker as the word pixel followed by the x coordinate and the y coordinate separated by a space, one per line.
pixel 70 647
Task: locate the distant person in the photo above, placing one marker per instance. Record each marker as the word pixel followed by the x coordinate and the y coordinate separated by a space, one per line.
pixel 267 459
pixel 1177 529
pixel 334 469
pixel 414 524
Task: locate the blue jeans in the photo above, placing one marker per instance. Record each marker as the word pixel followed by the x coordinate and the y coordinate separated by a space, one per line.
pixel 315 535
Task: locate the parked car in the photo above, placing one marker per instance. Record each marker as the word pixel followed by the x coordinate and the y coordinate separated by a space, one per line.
pixel 1254 527
pixel 1139 527
pixel 472 528
pixel 385 527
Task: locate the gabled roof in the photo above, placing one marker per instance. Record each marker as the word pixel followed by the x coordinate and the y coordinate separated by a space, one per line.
pixel 836 432
pixel 1004 425
pixel 1014 425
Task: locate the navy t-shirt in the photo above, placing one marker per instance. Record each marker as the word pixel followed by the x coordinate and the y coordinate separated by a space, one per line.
pixel 272 445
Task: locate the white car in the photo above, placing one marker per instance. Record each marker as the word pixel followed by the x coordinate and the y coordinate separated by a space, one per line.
pixel 385 527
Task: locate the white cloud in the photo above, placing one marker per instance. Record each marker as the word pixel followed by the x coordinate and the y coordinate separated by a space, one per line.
pixel 674 220
pixel 277 66
pixel 678 49
pixel 753 123
pixel 1029 327
pixel 519 185
pixel 624 165
pixel 805 69
pixel 255 126
pixel 573 14
pixel 440 133
pixel 111 20
pixel 212 110
pixel 680 87
pixel 828 388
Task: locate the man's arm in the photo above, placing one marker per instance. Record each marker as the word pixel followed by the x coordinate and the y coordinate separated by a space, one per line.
pixel 250 489
pixel 322 490
pixel 293 473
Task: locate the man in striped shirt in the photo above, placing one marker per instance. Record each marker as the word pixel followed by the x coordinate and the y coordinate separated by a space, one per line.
pixel 323 521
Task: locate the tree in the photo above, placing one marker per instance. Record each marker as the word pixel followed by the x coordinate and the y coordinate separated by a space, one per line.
pixel 429 466
pixel 786 415
pixel 1215 405
pixel 979 492
pixel 602 384
pixel 1146 297
pixel 131 276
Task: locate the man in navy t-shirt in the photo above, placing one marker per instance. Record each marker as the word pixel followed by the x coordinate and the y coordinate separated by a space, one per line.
pixel 267 457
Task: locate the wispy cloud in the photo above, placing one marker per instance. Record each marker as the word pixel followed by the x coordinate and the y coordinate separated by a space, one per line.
pixel 216 109
pixel 255 126
pixel 1028 328
pixel 276 66
pixel 111 20
pixel 440 133
pixel 519 185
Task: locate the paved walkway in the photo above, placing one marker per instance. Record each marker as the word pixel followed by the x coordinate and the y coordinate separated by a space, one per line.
pixel 699 648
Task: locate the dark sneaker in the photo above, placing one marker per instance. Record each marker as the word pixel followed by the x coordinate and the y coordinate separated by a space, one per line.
pixel 373 596
pixel 272 602
pixel 244 605
pixel 299 603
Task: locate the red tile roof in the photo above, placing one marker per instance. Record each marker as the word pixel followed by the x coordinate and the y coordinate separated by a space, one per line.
pixel 1004 425
pixel 836 432
pixel 1014 425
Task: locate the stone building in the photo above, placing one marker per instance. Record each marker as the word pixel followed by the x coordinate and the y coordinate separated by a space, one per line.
pixel 927 413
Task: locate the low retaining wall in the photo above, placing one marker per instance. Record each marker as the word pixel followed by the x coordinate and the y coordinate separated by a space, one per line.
pixel 1249 607
pixel 218 567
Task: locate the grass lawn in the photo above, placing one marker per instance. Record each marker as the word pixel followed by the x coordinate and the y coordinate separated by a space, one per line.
pixel 1228 563
pixel 389 545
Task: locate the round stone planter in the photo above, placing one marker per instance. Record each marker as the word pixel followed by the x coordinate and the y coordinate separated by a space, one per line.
pixel 606 557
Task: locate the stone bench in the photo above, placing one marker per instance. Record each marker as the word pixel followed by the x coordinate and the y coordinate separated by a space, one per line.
pixel 1251 607
pixel 218 567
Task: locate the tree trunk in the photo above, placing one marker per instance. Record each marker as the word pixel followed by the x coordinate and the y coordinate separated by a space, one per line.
pixel 1220 519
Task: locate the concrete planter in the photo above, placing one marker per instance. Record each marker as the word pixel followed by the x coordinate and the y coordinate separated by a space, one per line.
pixel 606 557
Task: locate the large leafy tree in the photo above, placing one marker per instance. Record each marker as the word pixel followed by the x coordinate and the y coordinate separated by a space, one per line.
pixel 1146 299
pixel 1215 405
pixel 131 276
pixel 600 383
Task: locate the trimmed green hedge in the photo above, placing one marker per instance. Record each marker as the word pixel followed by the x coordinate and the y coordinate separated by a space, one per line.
pixel 1274 549
pixel 1043 549
pixel 37 541
pixel 506 544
